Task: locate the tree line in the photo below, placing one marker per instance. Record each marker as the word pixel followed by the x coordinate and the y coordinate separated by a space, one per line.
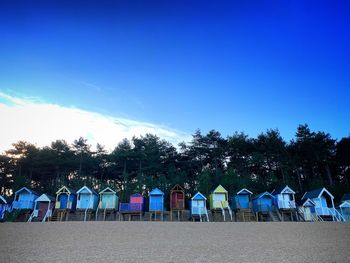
pixel 310 160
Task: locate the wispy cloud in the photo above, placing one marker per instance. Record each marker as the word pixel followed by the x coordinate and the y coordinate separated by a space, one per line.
pixel 41 123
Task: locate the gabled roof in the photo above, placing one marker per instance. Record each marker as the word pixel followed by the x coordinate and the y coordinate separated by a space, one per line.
pixel 316 193
pixel 3 200
pixel 87 189
pixel 244 191
pixel 177 188
pixel 262 195
pixel 45 198
pixel 68 189
pixel 220 189
pixel 108 190
pixel 137 195
pixel 28 190
pixel 283 190
pixel 307 202
pixel 156 191
pixel 198 196
pixel 345 204
pixel 346 197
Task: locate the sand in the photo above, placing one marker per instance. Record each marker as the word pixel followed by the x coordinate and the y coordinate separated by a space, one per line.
pixel 174 242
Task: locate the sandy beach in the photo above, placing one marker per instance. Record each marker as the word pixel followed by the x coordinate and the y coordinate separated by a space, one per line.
pixel 174 242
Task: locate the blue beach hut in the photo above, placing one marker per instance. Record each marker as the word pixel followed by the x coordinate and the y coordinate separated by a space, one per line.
pixel 3 207
pixel 24 199
pixel 242 199
pixel 263 202
pixel 87 198
pixel 324 203
pixel 156 203
pixel 199 207
pixel 284 197
pixel 307 209
pixel 66 198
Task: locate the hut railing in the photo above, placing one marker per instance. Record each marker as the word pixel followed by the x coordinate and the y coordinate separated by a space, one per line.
pixel 47 214
pixel 130 207
pixel 23 204
pixel 88 207
pixel 179 205
pixel 286 204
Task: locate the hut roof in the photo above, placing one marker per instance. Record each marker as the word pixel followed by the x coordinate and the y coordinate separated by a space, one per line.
pixel 108 190
pixel 3 200
pixel 220 189
pixel 156 191
pixel 28 190
pixel 346 197
pixel 136 195
pixel 177 188
pixel 244 191
pixel 307 202
pixel 283 189
pixel 45 198
pixel 262 195
pixel 198 196
pixel 87 189
pixel 316 193
pixel 70 190
pixel 345 204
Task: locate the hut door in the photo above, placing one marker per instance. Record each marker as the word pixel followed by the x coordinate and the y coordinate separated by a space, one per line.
pixel 84 200
pixel 63 201
pixel 42 206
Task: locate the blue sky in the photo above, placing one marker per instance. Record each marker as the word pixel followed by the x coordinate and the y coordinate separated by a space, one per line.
pixel 230 66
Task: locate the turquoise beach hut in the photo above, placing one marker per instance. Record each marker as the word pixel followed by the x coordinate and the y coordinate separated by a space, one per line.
pixel 108 203
pixel 199 207
pixel 156 203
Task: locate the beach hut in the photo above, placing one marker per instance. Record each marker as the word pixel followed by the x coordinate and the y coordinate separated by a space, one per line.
pixel 135 207
pixel 156 203
pixel 263 206
pixel 66 202
pixel 199 207
pixel 43 207
pixel 218 200
pixel 87 201
pixel 284 197
pixel 307 209
pixel 66 198
pixel 108 203
pixel 3 207
pixel 346 197
pixel 24 199
pixel 242 199
pixel 345 210
pixel 242 205
pixel 324 204
pixel 284 201
pixel 177 201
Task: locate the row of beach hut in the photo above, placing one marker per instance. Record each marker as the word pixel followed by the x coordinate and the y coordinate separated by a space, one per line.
pixel 84 204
